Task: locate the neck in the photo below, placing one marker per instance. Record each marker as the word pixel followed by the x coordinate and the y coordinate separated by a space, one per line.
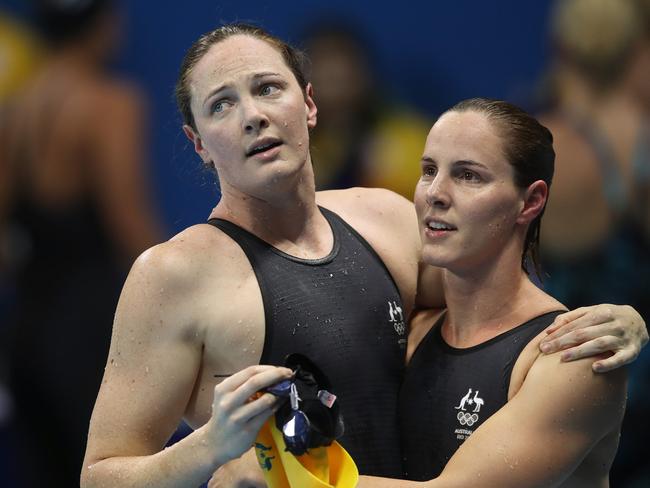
pixel 489 300
pixel 80 58
pixel 287 218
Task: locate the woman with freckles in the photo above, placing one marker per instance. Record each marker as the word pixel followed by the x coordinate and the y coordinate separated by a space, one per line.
pixel 480 406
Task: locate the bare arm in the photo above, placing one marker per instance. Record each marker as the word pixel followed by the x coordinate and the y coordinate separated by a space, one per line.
pixel 567 410
pixel 153 363
pixel 589 331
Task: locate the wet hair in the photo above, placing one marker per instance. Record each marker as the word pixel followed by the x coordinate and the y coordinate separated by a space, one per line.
pixel 528 147
pixel 296 61
pixel 62 21
pixel 596 36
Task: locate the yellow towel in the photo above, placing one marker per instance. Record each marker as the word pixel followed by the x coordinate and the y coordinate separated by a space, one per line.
pixel 323 467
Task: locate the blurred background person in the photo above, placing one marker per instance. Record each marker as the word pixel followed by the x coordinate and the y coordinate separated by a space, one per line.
pixel 75 211
pixel 361 138
pixel 20 56
pixel 596 223
pixel 596 238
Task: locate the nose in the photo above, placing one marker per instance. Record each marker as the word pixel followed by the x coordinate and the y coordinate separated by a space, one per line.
pixel 253 118
pixel 437 194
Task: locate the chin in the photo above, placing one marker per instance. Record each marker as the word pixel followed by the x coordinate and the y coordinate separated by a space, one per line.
pixel 432 257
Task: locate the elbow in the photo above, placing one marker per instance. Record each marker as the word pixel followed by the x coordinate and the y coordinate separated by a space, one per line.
pixel 90 475
pixel 86 478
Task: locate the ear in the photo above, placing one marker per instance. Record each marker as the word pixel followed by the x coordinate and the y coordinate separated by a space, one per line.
pixel 310 106
pixel 196 140
pixel 534 200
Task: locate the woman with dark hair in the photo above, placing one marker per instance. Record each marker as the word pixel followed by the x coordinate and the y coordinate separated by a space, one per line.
pixel 479 405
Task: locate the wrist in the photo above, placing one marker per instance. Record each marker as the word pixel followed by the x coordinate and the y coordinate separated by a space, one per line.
pixel 211 452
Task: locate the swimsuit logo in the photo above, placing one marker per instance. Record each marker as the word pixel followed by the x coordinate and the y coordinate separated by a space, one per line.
pixel 396 317
pixel 465 417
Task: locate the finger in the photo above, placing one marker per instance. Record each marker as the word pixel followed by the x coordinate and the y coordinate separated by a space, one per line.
pixel 234 381
pixel 594 347
pixel 620 358
pixel 256 422
pixel 574 338
pixel 257 382
pixel 226 397
pixel 248 411
pixel 584 321
pixel 565 318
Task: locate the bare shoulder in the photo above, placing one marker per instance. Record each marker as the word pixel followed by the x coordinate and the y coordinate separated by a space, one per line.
pixel 387 221
pixel 119 92
pixel 570 384
pixel 183 258
pixel 368 203
pixel 172 275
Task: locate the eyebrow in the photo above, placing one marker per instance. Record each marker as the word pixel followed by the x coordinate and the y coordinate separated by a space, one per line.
pixel 428 159
pixel 460 162
pixel 469 162
pixel 225 86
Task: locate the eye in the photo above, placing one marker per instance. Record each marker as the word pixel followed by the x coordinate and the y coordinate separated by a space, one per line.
pixel 219 106
pixel 468 175
pixel 429 171
pixel 268 90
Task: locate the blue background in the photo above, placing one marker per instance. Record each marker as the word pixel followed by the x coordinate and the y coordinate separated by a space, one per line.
pixel 428 55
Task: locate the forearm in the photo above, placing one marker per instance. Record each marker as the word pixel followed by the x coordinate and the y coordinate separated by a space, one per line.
pixel 190 462
pixel 373 482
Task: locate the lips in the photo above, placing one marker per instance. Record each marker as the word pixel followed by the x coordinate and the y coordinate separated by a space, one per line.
pixel 262 145
pixel 439 225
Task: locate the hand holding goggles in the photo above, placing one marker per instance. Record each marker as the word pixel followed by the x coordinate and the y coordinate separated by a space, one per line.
pixel 311 417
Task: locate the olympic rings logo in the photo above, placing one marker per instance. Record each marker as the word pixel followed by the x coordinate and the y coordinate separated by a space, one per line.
pixel 467 419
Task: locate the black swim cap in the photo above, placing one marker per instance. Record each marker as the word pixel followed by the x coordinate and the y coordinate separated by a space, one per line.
pixel 63 20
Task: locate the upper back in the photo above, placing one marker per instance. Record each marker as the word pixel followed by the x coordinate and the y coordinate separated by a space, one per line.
pixel 60 123
pixel 597 180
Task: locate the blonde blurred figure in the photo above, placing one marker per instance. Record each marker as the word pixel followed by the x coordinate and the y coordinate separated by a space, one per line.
pixel 600 200
pixel 75 212
pixel 596 238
